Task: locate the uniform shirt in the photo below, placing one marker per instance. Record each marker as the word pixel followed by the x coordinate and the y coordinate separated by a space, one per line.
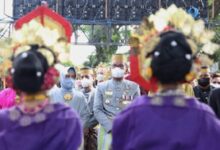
pixel 77 102
pixel 166 123
pixel 111 97
pixel 90 118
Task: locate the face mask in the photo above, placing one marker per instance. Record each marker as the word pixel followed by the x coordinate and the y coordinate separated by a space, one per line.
pixel 100 77
pixel 86 82
pixel 78 84
pixel 67 83
pixel 117 72
pixel 204 82
pixel 216 85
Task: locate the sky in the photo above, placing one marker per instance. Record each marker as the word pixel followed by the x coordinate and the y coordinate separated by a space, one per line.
pixel 79 53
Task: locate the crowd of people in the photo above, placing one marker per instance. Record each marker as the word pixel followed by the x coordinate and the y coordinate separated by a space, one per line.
pixel 107 107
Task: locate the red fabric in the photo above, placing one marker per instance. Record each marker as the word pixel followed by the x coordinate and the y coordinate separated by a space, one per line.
pixel 42 11
pixel 135 75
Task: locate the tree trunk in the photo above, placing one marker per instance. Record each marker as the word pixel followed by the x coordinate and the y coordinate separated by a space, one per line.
pixel 216 7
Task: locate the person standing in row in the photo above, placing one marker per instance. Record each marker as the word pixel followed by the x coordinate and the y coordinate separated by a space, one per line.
pixel 112 97
pixel 203 89
pixel 216 80
pixel 90 133
pixel 69 95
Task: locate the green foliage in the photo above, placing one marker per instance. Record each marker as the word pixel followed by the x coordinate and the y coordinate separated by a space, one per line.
pixel 216 28
pixel 210 2
pixel 215 25
pixel 67 64
pixel 103 53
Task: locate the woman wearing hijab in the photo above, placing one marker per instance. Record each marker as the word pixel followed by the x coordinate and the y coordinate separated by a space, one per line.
pixel 69 95
pixel 169 120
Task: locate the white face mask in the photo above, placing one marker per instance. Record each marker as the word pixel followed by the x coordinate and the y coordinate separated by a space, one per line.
pixel 86 82
pixel 216 85
pixel 117 72
pixel 100 77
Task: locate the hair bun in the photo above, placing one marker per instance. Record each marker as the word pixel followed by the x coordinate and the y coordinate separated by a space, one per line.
pixel 171 59
pixel 29 68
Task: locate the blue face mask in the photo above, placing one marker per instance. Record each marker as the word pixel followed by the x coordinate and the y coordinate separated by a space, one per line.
pixel 66 82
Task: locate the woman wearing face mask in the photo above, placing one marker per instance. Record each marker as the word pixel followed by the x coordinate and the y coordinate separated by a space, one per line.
pixel 112 97
pixel 69 95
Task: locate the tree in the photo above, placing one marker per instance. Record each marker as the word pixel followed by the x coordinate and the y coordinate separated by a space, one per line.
pixel 216 28
pixel 214 10
pixel 103 51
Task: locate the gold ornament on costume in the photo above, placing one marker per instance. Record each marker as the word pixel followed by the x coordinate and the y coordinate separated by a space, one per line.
pixel 32 33
pixel 5 55
pixel 39 97
pixel 146 37
pixel 149 72
pixel 190 76
pixel 68 96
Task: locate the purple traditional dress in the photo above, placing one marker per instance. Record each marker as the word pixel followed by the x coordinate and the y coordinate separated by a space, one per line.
pixel 166 122
pixel 55 127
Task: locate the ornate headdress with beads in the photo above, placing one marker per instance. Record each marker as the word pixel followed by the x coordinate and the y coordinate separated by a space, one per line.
pixel 147 36
pixel 41 28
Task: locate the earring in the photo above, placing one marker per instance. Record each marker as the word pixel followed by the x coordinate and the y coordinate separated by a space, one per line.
pixel 190 76
pixel 149 72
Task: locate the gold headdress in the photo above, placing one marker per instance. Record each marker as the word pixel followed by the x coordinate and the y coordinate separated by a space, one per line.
pixel 42 27
pixel 42 30
pixel 146 37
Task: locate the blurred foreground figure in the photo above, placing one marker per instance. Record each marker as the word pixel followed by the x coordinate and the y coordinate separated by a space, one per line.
pixel 35 123
pixel 7 98
pixel 169 120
